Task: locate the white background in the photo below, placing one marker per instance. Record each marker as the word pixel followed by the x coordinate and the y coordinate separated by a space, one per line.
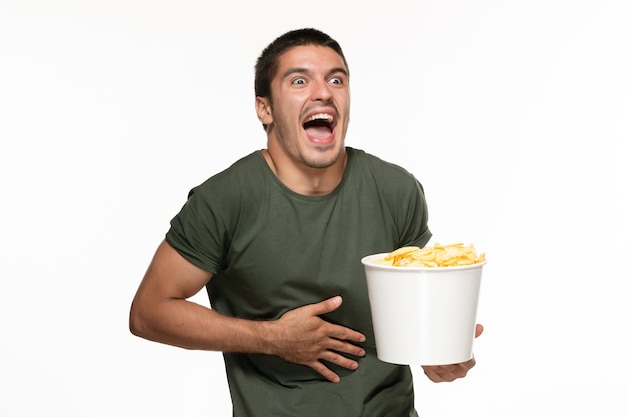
pixel 511 113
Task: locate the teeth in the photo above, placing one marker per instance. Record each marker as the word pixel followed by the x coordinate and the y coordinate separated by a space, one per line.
pixel 324 116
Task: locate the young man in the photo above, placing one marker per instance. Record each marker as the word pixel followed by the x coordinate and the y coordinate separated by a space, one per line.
pixel 277 240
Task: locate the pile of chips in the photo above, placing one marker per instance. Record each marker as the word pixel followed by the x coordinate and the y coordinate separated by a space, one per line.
pixel 457 254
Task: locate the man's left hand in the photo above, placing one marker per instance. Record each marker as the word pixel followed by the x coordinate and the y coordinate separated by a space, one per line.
pixel 448 373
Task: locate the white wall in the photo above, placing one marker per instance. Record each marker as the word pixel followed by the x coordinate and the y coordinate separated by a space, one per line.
pixel 511 113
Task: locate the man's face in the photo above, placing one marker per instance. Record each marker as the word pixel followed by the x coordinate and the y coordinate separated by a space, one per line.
pixel 308 114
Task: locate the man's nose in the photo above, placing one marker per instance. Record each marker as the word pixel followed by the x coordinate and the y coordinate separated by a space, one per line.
pixel 321 91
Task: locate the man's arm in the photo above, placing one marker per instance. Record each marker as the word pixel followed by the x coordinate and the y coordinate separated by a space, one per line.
pixel 161 312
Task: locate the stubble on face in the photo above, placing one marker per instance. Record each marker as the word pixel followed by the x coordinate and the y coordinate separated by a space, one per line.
pixel 311 156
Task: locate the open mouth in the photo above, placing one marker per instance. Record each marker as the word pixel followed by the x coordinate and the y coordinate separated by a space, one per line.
pixel 320 126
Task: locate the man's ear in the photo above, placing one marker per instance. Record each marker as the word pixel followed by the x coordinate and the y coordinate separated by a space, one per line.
pixel 263 110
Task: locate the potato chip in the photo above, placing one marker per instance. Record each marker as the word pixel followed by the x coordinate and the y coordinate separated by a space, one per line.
pixel 456 254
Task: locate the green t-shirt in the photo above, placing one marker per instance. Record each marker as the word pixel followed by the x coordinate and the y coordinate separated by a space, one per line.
pixel 272 250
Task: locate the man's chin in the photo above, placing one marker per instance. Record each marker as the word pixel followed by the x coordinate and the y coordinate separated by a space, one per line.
pixel 323 157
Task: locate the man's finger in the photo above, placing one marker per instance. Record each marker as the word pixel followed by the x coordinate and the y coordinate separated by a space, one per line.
pixel 325 306
pixel 325 372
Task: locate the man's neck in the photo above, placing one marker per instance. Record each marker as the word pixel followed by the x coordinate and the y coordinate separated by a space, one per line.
pixel 307 180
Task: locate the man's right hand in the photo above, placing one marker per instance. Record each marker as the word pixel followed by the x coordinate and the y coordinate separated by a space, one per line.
pixel 301 336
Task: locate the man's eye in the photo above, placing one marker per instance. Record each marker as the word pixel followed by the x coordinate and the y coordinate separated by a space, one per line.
pixel 335 80
pixel 298 81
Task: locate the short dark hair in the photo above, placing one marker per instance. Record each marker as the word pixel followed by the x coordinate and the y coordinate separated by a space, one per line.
pixel 267 63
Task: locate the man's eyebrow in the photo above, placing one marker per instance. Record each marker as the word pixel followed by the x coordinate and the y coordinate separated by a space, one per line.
pixel 301 70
